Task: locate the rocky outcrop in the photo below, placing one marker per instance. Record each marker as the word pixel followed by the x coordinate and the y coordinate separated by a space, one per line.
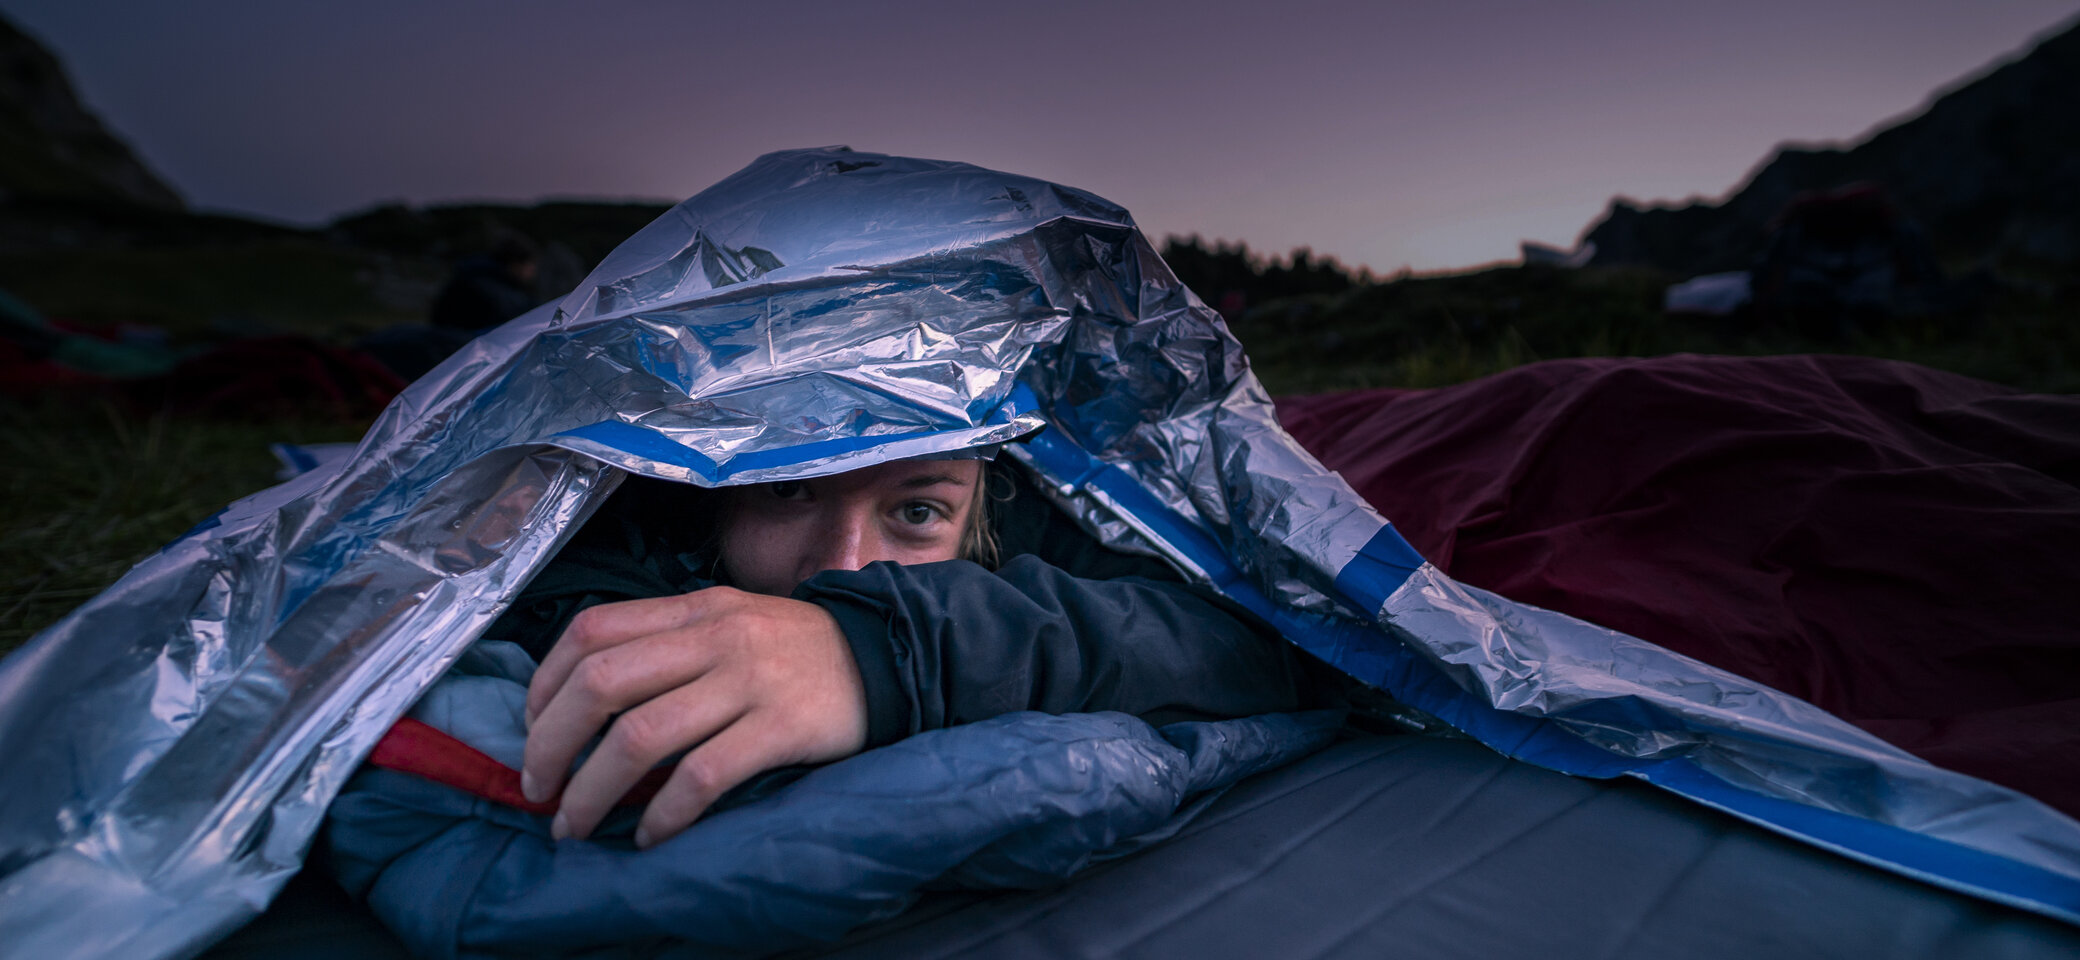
pixel 1990 169
pixel 51 147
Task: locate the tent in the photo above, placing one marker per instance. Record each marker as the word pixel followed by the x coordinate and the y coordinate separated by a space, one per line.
pixel 172 745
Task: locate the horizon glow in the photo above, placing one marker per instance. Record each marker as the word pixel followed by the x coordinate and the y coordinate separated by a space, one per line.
pixel 1429 139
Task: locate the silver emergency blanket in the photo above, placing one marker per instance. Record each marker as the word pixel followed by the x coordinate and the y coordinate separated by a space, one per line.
pixel 170 747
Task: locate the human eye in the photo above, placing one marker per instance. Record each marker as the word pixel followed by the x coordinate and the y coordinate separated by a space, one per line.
pixel 920 513
pixel 788 490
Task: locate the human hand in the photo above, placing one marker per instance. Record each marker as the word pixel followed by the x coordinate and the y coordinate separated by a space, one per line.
pixel 749 682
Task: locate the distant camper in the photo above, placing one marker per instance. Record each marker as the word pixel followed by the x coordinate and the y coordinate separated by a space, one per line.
pixel 486 290
pixel 491 288
pixel 1845 261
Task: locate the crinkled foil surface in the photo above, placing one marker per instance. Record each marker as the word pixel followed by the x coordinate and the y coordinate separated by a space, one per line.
pixel 169 748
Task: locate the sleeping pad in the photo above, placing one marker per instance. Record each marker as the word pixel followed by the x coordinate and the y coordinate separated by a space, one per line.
pixel 1019 801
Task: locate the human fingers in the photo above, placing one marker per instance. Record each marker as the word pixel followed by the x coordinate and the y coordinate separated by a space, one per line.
pixel 600 628
pixel 638 741
pixel 742 749
pixel 601 685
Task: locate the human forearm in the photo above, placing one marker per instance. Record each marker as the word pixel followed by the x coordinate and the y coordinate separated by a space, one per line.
pixel 945 644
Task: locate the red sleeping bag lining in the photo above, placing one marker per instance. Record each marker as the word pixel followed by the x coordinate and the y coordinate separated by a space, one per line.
pixel 1892 543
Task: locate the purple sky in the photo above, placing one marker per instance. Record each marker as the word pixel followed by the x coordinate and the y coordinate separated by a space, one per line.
pixel 1384 134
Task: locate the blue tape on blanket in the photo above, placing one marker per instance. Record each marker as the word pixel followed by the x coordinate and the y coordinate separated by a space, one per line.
pixel 1922 857
pixel 295 457
pixel 647 444
pixel 1380 568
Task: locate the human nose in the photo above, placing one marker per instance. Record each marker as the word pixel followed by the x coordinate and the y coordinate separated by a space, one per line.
pixel 849 544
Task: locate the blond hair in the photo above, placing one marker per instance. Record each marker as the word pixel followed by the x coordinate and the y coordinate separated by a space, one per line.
pixel 979 537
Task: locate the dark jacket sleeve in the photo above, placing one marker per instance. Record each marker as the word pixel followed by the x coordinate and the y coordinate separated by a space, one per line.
pixel 1067 625
pixel 949 643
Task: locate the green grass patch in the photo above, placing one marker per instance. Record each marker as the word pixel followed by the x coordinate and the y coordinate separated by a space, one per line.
pixel 91 490
pixel 1437 331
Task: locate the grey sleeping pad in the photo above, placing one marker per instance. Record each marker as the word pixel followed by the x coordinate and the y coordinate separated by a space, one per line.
pixel 1421 848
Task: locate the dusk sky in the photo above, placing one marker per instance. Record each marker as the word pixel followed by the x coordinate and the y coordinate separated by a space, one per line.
pixel 1388 135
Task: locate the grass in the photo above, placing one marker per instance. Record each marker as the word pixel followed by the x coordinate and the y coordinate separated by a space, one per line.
pixel 1437 331
pixel 92 489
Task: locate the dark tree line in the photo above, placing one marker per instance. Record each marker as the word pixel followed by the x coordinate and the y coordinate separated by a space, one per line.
pixel 1231 277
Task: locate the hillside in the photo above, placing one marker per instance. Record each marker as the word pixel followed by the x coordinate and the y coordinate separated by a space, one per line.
pixel 51 147
pixel 1991 169
pixel 91 235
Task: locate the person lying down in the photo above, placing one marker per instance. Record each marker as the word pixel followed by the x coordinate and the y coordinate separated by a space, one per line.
pixel 1017 700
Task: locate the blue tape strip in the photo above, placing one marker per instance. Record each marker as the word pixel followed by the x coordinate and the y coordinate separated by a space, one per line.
pixel 1368 655
pixel 637 441
pixel 1916 855
pixel 1548 744
pixel 647 444
pixel 1380 568
pixel 300 459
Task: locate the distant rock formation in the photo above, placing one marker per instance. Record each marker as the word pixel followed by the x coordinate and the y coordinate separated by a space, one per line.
pixel 1991 170
pixel 51 147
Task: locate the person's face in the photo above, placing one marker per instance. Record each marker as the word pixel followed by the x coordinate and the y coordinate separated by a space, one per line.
pixel 776 535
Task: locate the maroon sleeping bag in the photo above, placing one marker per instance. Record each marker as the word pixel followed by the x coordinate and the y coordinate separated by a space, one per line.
pixel 1893 543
